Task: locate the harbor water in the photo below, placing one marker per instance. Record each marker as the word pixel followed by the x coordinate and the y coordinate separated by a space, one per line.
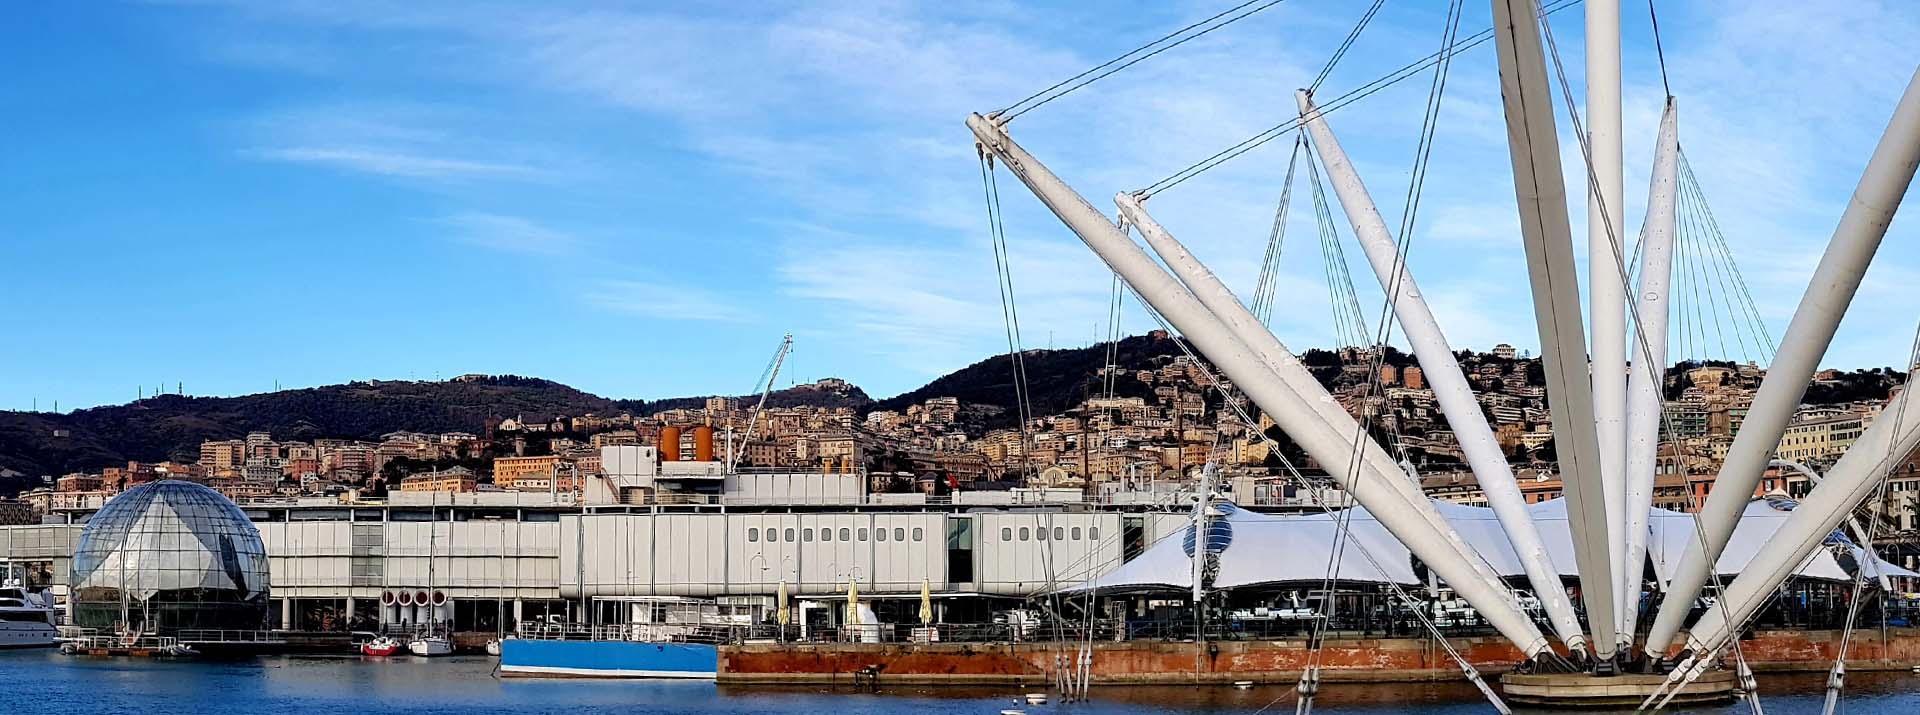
pixel 466 685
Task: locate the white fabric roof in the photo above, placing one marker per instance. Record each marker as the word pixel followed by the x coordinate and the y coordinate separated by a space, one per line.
pixel 1268 549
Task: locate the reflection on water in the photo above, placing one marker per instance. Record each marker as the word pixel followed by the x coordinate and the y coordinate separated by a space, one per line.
pixel 353 686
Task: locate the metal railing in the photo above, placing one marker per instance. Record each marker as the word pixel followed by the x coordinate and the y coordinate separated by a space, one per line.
pixel 230 637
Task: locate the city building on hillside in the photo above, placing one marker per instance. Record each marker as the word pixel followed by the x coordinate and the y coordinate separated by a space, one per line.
pixel 1821 435
pixel 527 473
pixel 456 479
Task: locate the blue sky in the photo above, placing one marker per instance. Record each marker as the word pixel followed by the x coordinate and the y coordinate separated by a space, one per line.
pixel 638 199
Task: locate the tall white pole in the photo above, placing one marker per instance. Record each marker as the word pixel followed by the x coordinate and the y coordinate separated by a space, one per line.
pixel 1541 192
pixel 1246 370
pixel 1606 291
pixel 1241 323
pixel 1888 440
pixel 1835 280
pixel 1449 384
pixel 1645 384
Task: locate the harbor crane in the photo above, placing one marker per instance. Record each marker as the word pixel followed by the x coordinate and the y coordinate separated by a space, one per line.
pixel 766 388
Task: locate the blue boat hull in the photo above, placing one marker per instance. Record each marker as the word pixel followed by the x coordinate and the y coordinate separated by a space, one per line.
pixel 608 659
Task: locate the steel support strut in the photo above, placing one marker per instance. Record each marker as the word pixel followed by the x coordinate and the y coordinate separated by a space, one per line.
pixel 1835 280
pixel 1645 383
pixel 1235 360
pixel 1606 289
pixel 1241 323
pixel 1449 384
pixel 1534 146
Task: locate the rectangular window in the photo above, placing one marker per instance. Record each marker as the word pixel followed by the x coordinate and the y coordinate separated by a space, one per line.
pixel 879 534
pixel 1006 533
pixel 1025 533
pixel 899 534
pixel 826 534
pixel 1059 533
pixel 807 536
pixel 1076 533
pixel 753 535
pixel 1093 532
pixel 863 534
pixel 919 533
pixel 845 535
pixel 789 534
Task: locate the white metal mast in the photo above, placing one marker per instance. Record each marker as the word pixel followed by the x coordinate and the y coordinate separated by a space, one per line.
pixel 1449 384
pixel 1538 184
pixel 1246 370
pixel 1835 280
pixel 1606 290
pixel 1203 500
pixel 1645 383
pixel 1243 326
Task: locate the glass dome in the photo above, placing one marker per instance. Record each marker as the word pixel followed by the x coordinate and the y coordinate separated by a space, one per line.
pixel 170 556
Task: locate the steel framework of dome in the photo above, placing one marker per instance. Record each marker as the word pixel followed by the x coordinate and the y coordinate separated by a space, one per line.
pixel 170 556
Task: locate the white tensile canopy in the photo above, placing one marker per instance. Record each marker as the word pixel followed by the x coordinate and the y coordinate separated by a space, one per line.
pixel 1262 549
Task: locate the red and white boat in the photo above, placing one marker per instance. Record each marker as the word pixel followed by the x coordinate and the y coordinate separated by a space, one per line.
pixel 380 647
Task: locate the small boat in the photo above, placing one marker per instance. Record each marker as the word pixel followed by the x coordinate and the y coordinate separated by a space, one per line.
pixel 430 645
pixel 493 647
pixel 380 647
pixel 1036 698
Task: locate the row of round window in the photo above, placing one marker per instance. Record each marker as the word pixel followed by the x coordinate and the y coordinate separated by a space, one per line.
pixel 846 534
pixel 1060 533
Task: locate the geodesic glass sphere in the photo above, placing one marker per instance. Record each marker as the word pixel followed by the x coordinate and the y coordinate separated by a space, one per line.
pixel 169 556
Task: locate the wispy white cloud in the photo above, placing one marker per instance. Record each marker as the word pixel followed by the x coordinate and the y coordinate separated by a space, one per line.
pixel 399 164
pixel 661 301
pixel 510 234
pixel 848 116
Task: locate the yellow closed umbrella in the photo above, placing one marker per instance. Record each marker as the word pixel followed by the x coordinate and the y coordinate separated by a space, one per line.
pixel 926 603
pixel 783 615
pixel 853 602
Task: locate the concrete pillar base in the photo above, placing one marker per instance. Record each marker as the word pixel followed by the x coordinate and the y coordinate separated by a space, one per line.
pixel 1582 690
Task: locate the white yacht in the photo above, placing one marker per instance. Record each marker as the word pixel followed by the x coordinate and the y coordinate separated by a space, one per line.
pixel 428 645
pixel 26 620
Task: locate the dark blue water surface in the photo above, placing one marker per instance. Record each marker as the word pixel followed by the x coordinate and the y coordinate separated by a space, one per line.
pixel 47 682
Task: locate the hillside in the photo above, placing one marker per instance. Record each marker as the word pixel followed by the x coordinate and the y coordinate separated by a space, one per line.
pixel 173 426
pixel 808 395
pixel 1058 379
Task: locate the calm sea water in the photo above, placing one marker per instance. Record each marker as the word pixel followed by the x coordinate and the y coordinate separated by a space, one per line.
pixel 47 682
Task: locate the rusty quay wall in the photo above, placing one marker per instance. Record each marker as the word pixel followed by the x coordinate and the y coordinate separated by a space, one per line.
pixel 1153 662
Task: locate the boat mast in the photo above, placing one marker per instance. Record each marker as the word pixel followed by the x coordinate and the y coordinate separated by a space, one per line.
pixel 1244 368
pixel 1648 376
pixel 1457 401
pixel 1606 288
pixel 433 542
pixel 1835 280
pixel 1533 142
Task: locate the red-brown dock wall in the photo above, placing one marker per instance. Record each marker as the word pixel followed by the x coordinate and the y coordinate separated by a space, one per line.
pixel 1155 662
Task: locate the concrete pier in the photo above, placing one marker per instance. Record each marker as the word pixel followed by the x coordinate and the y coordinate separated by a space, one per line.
pixel 1582 690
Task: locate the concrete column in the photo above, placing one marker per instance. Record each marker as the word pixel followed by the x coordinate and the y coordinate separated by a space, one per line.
pixel 286 613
